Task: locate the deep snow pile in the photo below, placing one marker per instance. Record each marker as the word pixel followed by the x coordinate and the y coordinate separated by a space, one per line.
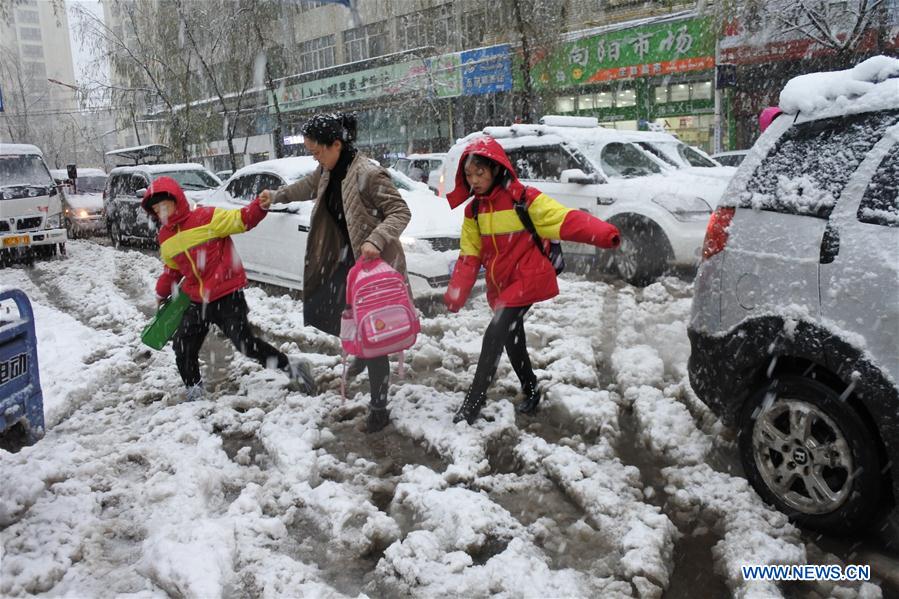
pixel 262 492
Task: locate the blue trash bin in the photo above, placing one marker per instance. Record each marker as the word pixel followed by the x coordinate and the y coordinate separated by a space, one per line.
pixel 21 400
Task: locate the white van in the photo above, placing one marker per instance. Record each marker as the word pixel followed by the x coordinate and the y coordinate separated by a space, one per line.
pixel 31 221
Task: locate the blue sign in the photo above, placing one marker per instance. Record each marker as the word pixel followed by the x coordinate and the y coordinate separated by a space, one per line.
pixel 486 70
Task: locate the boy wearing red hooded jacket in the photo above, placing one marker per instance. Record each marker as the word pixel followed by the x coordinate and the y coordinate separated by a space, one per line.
pixel 519 273
pixel 196 246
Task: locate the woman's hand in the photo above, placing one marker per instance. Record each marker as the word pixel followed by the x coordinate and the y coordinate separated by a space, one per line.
pixel 370 251
pixel 265 199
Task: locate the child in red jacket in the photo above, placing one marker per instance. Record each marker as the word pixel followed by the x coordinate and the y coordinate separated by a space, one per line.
pixel 519 272
pixel 196 246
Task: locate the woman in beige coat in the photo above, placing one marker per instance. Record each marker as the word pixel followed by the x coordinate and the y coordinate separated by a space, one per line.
pixel 358 214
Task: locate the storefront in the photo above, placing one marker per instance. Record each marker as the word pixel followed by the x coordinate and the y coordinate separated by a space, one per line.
pixel 655 75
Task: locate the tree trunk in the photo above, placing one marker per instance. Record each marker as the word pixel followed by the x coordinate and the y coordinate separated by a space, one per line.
pixel 528 99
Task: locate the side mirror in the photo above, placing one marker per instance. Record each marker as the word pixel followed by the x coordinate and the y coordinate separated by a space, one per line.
pixel 140 193
pixel 576 175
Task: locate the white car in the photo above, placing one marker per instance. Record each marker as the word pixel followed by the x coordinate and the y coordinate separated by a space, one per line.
pixel 30 205
pixel 83 201
pixel 426 168
pixel 732 158
pixel 676 154
pixel 662 212
pixel 273 251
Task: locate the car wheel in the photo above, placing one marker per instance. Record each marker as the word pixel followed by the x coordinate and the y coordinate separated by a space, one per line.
pixel 642 255
pixel 808 453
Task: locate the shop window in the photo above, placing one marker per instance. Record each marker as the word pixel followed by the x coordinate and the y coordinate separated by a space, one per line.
pixel 625 97
pixel 565 104
pixel 702 90
pixel 585 102
pixel 603 100
pixel 680 92
pixel 661 94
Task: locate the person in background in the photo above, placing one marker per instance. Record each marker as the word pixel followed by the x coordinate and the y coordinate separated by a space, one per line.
pixel 358 215
pixel 518 272
pixel 196 246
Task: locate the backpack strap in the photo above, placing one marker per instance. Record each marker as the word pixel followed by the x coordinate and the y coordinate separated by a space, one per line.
pixel 521 209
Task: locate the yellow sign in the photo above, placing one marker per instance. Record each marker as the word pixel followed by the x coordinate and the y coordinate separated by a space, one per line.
pixel 16 240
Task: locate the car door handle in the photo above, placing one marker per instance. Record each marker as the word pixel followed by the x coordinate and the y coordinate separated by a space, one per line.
pixel 830 244
pixel 302 228
pixel 601 201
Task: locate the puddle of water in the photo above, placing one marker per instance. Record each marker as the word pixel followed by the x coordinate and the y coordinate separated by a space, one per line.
pixel 348 574
pixel 387 448
pixel 694 569
pixel 560 529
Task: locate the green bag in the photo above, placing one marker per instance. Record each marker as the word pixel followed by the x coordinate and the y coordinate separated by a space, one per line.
pixel 166 322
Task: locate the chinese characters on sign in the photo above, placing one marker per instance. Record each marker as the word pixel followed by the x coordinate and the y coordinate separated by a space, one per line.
pixel 654 49
pixel 13 368
pixel 486 70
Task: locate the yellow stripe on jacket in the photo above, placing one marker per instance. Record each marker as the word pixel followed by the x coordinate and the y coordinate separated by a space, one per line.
pixel 546 213
pixel 224 222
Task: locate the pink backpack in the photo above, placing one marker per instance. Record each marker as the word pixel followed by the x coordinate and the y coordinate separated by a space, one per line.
pixel 380 318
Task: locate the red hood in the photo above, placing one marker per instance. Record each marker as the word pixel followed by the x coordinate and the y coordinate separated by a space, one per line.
pixel 167 186
pixel 488 148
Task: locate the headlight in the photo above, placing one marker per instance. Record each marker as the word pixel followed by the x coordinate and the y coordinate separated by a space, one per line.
pixel 684 208
pixel 52 222
pixel 82 213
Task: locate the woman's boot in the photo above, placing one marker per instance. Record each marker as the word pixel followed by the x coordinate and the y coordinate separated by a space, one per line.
pixel 470 408
pixel 377 419
pixel 532 397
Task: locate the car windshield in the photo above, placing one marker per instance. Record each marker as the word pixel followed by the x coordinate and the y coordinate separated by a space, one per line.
pixel 623 160
pixel 657 152
pixel 192 179
pixel 91 184
pixel 24 169
pixel 693 157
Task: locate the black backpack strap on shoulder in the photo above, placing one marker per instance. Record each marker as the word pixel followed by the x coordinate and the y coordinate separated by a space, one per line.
pixel 521 208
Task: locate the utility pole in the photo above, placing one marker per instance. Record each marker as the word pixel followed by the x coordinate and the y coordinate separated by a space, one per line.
pixel 527 107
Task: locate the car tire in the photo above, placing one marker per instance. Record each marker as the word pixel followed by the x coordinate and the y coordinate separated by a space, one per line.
pixel 643 254
pixel 802 429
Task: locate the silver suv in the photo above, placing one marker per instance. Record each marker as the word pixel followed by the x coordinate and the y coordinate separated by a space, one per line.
pixel 795 320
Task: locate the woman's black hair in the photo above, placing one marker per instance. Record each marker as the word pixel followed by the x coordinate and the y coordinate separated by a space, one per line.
pixel 326 128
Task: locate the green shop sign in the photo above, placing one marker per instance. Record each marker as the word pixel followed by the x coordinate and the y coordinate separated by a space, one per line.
pixel 440 76
pixel 655 49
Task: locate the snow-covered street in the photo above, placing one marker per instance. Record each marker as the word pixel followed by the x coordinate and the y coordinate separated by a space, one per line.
pixel 623 485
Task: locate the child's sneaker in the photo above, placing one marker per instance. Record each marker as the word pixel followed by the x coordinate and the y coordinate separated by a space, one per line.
pixel 300 373
pixel 195 392
pixel 532 397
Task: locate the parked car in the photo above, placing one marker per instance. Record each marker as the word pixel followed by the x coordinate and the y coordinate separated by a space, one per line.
pixel 273 251
pixel 83 201
pixel 126 221
pixel 223 175
pixel 733 158
pixel 661 212
pixel 674 153
pixel 796 309
pixel 30 205
pixel 425 168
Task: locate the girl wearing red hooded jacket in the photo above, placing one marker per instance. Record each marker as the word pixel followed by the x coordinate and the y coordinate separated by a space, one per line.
pixel 196 246
pixel 519 273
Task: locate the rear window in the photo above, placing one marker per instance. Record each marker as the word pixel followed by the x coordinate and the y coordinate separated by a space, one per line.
pixel 880 204
pixel 811 163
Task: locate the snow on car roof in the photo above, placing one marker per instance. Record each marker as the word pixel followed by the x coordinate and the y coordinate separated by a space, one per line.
pixel 91 172
pixel 289 169
pixel 159 168
pixel 431 156
pixel 869 86
pixel 19 149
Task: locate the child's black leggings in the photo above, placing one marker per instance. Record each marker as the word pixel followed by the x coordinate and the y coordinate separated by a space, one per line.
pixel 379 380
pixel 506 329
pixel 230 314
